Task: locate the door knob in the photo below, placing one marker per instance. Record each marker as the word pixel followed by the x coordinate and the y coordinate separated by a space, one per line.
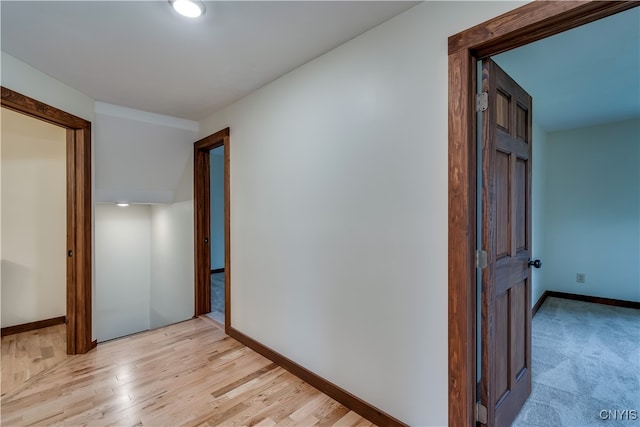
pixel 536 263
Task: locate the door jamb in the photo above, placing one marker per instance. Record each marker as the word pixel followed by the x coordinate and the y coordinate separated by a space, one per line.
pixel 79 239
pixel 526 24
pixel 202 217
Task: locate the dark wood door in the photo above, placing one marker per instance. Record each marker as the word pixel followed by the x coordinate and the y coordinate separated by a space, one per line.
pixel 506 237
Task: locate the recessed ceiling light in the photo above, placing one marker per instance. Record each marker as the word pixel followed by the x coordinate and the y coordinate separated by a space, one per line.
pixel 188 8
pixel 122 204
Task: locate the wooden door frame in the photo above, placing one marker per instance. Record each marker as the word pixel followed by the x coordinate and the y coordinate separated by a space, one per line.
pixel 202 218
pixel 526 24
pixel 79 239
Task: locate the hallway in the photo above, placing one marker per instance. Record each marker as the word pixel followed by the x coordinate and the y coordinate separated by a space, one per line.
pixel 189 373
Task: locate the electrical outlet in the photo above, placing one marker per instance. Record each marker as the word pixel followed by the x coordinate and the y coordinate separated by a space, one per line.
pixel 580 277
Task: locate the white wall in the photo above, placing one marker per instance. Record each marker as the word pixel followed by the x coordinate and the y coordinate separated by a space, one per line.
pixel 538 202
pixel 22 78
pixel 339 211
pixel 339 240
pixel 154 178
pixel 172 279
pixel 123 277
pixel 140 156
pixel 144 267
pixel 593 210
pixel 143 157
pixel 217 207
pixel 34 219
pixel 172 263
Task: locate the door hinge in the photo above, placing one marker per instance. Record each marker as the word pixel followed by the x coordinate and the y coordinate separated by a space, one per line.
pixel 481 259
pixel 482 101
pixel 481 413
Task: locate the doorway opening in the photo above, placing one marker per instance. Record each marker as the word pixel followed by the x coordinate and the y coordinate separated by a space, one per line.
pixel 34 239
pixel 521 26
pixel 78 216
pixel 216 195
pixel 212 227
pixel 601 135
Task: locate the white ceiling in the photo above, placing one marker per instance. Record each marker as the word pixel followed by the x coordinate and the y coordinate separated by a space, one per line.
pixel 583 77
pixel 143 55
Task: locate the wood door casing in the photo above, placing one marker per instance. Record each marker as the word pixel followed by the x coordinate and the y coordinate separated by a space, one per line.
pixel 506 282
pixel 518 27
pixel 202 223
pixel 203 232
pixel 79 214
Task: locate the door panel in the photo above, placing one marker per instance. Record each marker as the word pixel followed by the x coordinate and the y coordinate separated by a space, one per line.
pixel 506 237
pixel 520 182
pixel 521 122
pixel 518 331
pixel 503 242
pixel 502 110
pixel 502 345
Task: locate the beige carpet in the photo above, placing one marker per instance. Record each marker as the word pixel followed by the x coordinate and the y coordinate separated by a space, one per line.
pixel 217 297
pixel 585 366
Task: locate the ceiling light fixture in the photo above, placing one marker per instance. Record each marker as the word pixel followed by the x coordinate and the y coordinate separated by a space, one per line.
pixel 188 8
pixel 122 204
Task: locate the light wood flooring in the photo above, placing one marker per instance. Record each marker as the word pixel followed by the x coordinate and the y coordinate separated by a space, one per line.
pixel 190 373
pixel 27 354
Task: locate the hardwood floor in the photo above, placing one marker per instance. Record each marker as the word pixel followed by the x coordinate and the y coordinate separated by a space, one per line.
pixel 190 373
pixel 27 354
